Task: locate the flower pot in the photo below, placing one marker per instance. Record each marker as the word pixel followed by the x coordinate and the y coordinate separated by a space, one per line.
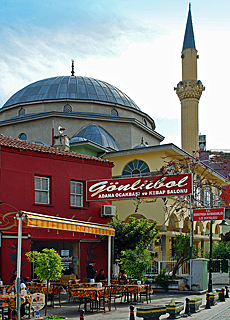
pixel 52 317
pixel 174 310
pixel 151 313
pixel 213 297
pixel 221 294
pixel 194 304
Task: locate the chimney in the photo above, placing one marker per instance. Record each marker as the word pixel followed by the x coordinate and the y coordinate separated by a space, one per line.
pixel 61 142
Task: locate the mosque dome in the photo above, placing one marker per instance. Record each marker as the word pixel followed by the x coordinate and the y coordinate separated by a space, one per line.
pixel 72 88
pixel 98 135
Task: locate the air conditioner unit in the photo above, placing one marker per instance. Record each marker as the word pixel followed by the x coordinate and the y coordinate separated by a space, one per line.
pixel 108 211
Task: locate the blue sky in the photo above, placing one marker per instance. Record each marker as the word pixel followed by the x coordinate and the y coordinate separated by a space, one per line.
pixel 132 44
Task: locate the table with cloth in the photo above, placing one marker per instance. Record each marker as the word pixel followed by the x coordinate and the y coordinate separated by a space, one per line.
pixel 85 295
pixel 9 301
pixel 71 287
pixel 43 289
pixel 53 291
pixel 127 290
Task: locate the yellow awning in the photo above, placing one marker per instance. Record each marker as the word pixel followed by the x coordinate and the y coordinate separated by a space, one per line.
pixel 43 221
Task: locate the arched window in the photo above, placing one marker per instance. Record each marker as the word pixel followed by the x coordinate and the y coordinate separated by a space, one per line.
pixel 67 108
pixel 21 112
pixel 22 136
pixel 135 168
pixel 114 112
pixel 197 191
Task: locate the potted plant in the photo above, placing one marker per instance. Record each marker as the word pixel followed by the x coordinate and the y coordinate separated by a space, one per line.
pixel 162 280
pixel 213 297
pixel 47 266
pixel 174 309
pixel 153 312
pixel 194 304
pixel 52 317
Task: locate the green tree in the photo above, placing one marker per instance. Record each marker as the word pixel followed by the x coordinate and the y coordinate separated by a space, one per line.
pixel 133 233
pixel 220 250
pixel 135 262
pixel 47 266
pixel 181 251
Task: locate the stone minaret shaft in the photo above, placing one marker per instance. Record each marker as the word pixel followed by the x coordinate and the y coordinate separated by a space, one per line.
pixel 189 91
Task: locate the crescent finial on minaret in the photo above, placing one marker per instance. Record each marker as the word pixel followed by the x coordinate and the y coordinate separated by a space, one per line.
pixel 72 71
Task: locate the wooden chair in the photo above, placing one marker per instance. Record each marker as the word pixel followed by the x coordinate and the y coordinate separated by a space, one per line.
pixel 4 312
pixel 146 292
pixel 56 294
pixel 108 295
pixel 88 296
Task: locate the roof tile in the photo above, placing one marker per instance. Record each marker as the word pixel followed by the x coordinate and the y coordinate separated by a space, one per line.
pixel 35 147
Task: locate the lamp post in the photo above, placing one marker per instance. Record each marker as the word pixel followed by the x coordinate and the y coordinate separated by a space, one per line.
pixel 223 223
pixel 210 260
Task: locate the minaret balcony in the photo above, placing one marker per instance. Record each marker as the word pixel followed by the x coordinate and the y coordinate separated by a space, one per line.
pixel 189 89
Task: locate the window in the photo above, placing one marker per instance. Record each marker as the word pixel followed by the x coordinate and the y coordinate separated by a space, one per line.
pixel 216 198
pixel 67 108
pixel 114 112
pixel 197 191
pixel 22 136
pixel 76 194
pixel 136 168
pixel 21 112
pixel 42 190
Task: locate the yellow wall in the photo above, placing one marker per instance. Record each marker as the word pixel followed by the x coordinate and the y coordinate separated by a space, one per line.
pixel 153 208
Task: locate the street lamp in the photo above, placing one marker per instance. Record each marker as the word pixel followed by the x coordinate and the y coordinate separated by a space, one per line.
pixel 223 223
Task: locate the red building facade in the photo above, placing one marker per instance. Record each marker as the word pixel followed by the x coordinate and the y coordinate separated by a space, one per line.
pixel 49 181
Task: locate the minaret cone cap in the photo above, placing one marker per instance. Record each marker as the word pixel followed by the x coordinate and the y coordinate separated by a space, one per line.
pixel 189 40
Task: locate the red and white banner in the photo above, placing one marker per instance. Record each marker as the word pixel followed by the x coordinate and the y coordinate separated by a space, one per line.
pixel 208 214
pixel 144 187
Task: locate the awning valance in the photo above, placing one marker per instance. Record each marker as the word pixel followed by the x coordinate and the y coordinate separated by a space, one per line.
pixel 30 219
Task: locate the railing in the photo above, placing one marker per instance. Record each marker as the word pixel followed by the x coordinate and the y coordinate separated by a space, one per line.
pixel 220 265
pixel 157 266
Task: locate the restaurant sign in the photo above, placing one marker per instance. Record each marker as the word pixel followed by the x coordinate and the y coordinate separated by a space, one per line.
pixel 208 214
pixel 144 187
pixel 37 301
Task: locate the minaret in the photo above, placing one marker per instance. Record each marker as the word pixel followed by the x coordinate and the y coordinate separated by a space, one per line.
pixel 189 91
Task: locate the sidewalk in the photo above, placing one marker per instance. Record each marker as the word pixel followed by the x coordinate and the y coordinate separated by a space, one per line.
pixel 70 309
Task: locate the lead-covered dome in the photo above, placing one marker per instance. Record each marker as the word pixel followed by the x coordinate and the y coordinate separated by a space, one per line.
pixel 73 88
pixel 96 134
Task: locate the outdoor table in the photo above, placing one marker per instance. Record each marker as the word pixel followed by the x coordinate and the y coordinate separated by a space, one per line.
pixel 129 289
pixel 9 300
pixel 87 294
pixel 54 290
pixel 69 289
pixel 42 289
pixel 88 284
